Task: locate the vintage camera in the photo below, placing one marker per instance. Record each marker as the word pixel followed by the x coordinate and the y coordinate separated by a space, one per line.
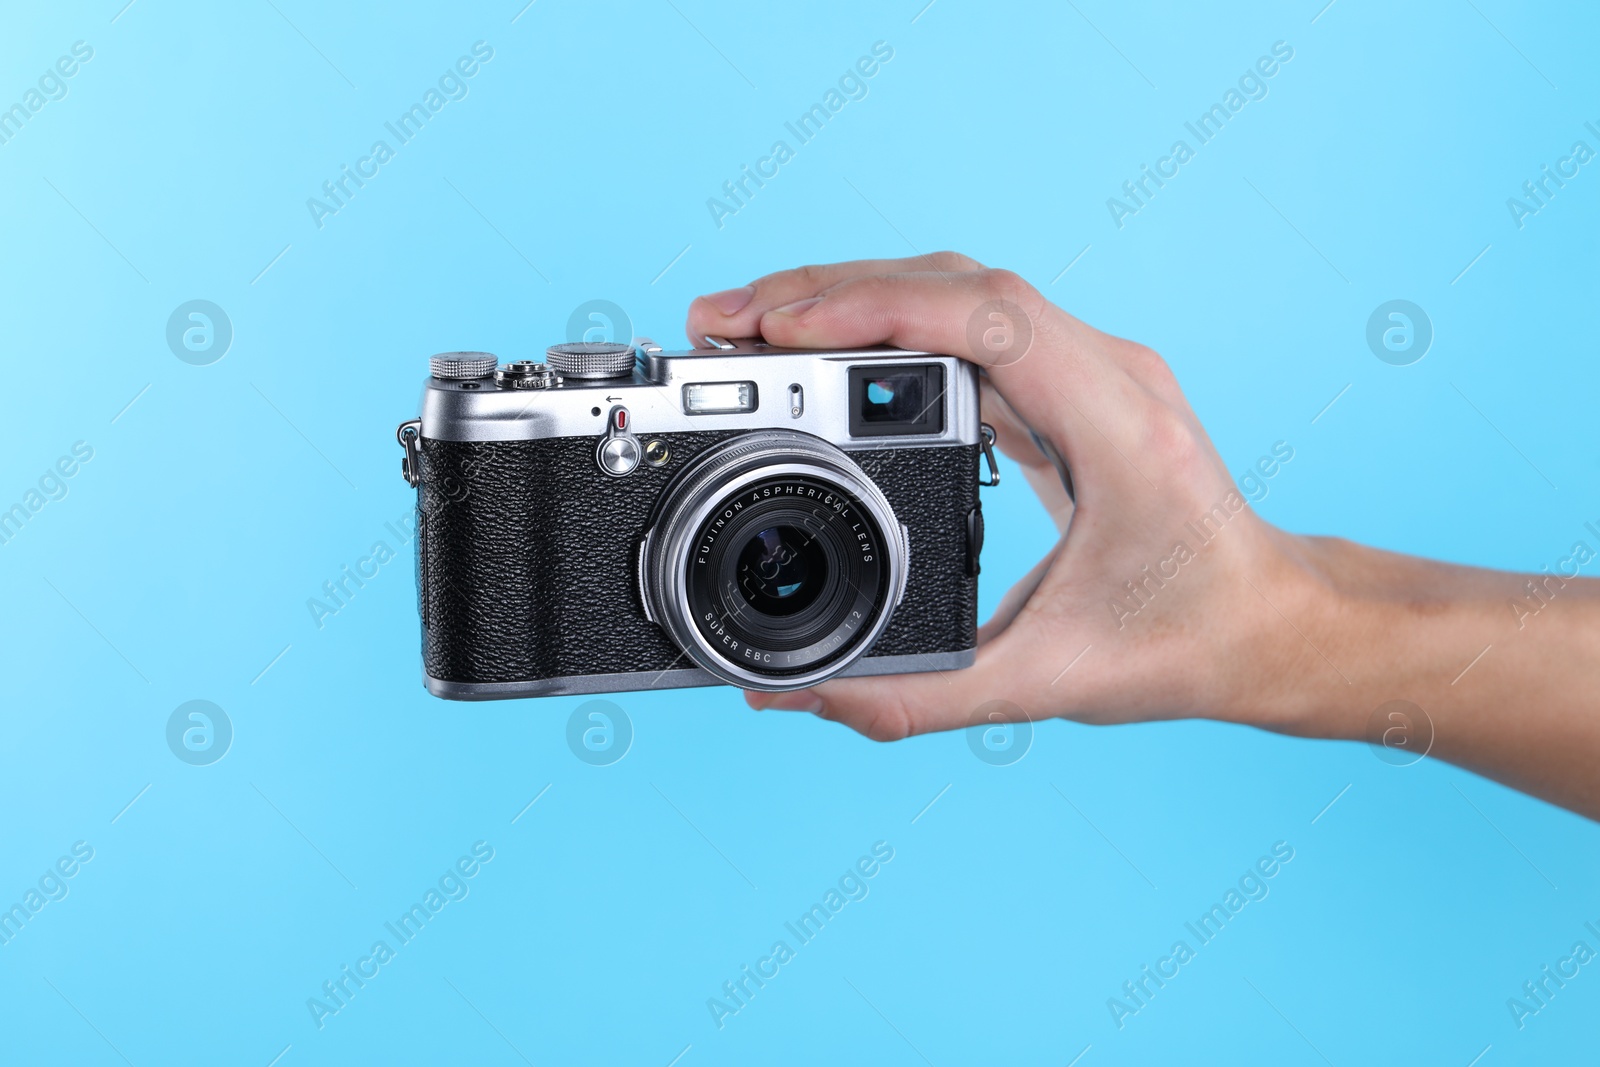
pixel 618 517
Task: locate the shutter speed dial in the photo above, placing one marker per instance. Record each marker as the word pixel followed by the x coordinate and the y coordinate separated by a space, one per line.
pixel 619 451
pixel 591 359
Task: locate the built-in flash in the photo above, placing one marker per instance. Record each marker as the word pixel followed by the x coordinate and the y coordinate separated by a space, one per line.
pixel 719 398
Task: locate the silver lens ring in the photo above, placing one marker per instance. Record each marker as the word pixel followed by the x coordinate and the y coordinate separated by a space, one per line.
pixel 714 480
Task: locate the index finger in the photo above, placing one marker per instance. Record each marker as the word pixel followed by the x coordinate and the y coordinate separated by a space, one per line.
pixel 737 312
pixel 1061 376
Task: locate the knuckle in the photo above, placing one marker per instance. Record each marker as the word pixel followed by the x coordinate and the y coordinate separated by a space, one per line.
pixel 1008 285
pixel 1150 366
pixel 1141 355
pixel 891 721
pixel 813 277
pixel 954 261
pixel 1148 357
pixel 1172 440
pixel 883 719
pixel 875 290
pixel 872 283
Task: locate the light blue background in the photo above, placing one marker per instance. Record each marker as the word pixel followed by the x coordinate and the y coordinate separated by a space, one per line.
pixel 220 501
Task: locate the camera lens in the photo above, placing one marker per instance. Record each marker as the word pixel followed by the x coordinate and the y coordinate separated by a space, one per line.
pixel 784 572
pixel 775 561
pixel 781 570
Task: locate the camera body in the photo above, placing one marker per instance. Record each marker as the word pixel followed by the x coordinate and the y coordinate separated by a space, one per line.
pixel 617 517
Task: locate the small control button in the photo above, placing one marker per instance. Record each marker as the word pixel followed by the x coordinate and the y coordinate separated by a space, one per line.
pixel 974 540
pixel 619 455
pixel 619 452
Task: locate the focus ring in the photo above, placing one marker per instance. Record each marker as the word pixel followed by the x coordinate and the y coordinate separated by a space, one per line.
pixel 735 465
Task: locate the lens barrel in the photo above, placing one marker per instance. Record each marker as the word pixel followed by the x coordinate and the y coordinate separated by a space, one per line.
pixel 775 562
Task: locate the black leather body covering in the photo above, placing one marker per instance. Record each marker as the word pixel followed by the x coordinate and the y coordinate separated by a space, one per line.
pixel 527 556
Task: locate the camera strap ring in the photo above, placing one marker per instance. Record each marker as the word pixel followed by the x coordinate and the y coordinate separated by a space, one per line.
pixel 409 434
pixel 988 435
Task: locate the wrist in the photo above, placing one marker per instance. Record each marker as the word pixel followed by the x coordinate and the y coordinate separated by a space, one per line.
pixel 1334 635
pixel 1369 627
pixel 1279 671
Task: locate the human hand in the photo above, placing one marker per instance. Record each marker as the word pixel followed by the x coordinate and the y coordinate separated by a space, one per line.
pixel 1162 577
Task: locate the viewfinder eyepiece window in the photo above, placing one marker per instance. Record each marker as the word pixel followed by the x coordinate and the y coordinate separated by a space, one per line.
pixel 890 400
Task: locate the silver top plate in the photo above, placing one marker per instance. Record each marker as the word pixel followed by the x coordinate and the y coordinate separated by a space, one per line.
pixel 653 395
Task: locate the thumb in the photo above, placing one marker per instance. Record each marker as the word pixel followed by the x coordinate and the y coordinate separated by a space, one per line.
pixel 894 706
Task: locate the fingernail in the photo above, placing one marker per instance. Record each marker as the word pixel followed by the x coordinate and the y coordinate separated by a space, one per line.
pixel 731 301
pixel 799 307
pixel 803 700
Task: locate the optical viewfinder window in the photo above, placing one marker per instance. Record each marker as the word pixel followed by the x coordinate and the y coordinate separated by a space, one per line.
pixel 892 400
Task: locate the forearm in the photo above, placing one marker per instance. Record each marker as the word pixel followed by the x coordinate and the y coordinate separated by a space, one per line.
pixel 1508 672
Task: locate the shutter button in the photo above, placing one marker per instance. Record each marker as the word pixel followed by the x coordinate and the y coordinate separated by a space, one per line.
pixel 619 452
